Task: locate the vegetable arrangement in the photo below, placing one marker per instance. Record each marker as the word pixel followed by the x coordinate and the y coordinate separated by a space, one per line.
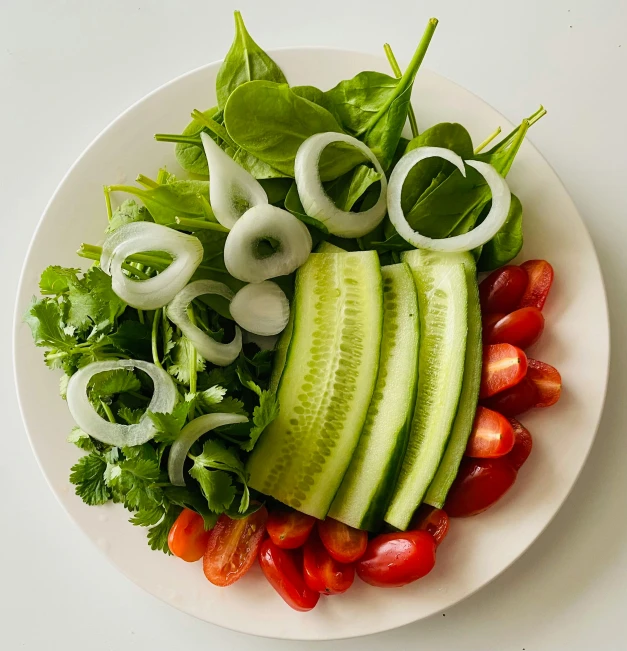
pixel 385 406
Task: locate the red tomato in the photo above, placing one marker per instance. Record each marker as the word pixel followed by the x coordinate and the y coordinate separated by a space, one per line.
pixel 514 401
pixel 488 323
pixel 434 521
pixel 502 290
pixel 233 546
pixel 504 366
pixel 187 538
pixel 492 435
pixel 522 446
pixel 344 543
pixel 395 559
pixel 282 571
pixel 520 328
pixel 322 572
pixel 289 529
pixel 540 274
pixel 478 485
pixel 547 381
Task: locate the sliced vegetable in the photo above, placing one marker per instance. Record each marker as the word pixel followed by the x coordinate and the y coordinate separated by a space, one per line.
pixel 87 418
pixel 540 274
pixel 233 546
pixel 504 366
pixel 521 328
pixel 187 538
pixel 503 289
pixel 433 521
pixel 289 529
pixel 322 572
pixel 318 204
pixel 489 227
pixel 522 445
pixel 280 354
pixel 488 321
pixel 261 308
pixel 514 401
pixel 345 544
pixel 547 381
pixel 213 351
pixel 232 190
pixel 152 293
pixel 266 242
pixel 492 435
pixel 396 559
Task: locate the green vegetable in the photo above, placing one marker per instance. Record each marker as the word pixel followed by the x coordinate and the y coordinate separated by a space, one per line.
pixel 507 243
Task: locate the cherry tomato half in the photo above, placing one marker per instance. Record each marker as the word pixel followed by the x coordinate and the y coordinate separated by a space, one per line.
pixel 345 544
pixel 281 569
pixel 432 520
pixel 289 529
pixel 540 274
pixel 187 538
pixel 478 485
pixel 514 401
pixel 504 366
pixel 522 446
pixel 396 559
pixel 233 546
pixel 502 290
pixel 492 435
pixel 547 381
pixel 322 572
pixel 488 323
pixel 520 328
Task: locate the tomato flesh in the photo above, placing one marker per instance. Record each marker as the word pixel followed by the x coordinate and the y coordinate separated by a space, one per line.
pixel 322 572
pixel 233 546
pixel 478 485
pixel 492 435
pixel 345 544
pixel 281 569
pixel 504 366
pixel 503 289
pixel 522 446
pixel 395 559
pixel 547 381
pixel 540 274
pixel 432 520
pixel 187 538
pixel 289 529
pixel 520 328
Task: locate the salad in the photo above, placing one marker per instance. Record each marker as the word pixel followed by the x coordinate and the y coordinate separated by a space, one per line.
pixel 282 353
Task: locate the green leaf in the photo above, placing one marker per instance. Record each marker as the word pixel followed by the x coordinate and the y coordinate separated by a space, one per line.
pixel 230 405
pixel 191 157
pixel 130 416
pixel 88 477
pixel 211 398
pixel 134 339
pixel 216 486
pixel 148 517
pixel 109 383
pixel 180 355
pixel 244 62
pixel 263 415
pixel 45 319
pixel 170 425
pixel 82 440
pixel 128 212
pixel 158 535
pixel 56 280
pixel 316 96
pixel 133 482
pixel 293 204
pixel 349 188
pixel 92 300
pixel 507 243
pixel 214 455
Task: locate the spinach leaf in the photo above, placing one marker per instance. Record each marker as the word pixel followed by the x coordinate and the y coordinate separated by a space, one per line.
pixel 294 205
pixel 245 61
pixel 507 243
pixel 191 156
pixel 276 189
pixel 271 122
pixel 318 97
pixel 349 188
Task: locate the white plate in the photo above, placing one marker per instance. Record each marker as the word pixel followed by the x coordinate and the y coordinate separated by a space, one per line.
pixel 477 549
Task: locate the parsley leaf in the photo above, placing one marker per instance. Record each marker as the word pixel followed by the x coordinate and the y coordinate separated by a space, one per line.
pixel 56 280
pixel 263 414
pixel 216 486
pixel 169 425
pixel 88 477
pixel 109 383
pixel 127 213
pixel 130 416
pixel 45 320
pixel 180 356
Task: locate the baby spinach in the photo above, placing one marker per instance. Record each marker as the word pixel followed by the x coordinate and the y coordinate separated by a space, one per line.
pixel 191 156
pixel 245 61
pixel 349 188
pixel 318 97
pixel 507 243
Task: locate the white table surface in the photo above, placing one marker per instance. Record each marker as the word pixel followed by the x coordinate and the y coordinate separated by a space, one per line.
pixel 67 68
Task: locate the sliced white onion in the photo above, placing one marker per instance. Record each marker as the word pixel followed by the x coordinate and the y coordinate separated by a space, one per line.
pixel 259 224
pixel 232 190
pixel 207 347
pixel 261 308
pixel 317 203
pixel 189 435
pixel 186 251
pixel 501 199
pixel 163 401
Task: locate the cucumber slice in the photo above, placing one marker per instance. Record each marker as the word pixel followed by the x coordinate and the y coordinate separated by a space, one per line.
pixel 327 383
pixel 371 475
pixel 327 247
pixel 468 399
pixel 442 299
pixel 281 352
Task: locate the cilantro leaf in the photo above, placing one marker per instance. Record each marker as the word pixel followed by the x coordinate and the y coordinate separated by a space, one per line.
pixel 88 477
pixel 169 425
pixel 180 356
pixel 127 213
pixel 109 383
pixel 263 414
pixel 130 416
pixel 148 517
pixel 210 397
pixel 132 484
pixel 230 405
pixel 216 486
pixel 133 338
pixel 56 280
pixel 82 440
pixel 158 535
pixel 45 320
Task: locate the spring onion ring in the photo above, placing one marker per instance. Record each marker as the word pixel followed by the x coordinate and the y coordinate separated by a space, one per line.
pixel 189 435
pixel 501 199
pixel 212 350
pixel 232 189
pixel 287 241
pixel 186 251
pixel 318 204
pixel 87 418
pixel 261 308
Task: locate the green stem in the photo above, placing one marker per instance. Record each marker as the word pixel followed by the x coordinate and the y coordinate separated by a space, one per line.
pixel 193 370
pixel 397 72
pixel 526 123
pixel 108 411
pixel 214 127
pixel 146 182
pixel 92 255
pixel 164 322
pixel 162 176
pixel 176 137
pixel 155 334
pixel 206 206
pixel 107 195
pixel 138 395
pixel 140 314
pixel 534 117
pixel 131 189
pixel 199 225
pixel 488 140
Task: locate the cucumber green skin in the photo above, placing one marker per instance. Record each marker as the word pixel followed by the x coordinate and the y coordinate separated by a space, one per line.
pixel 469 397
pixel 367 485
pixel 442 299
pixel 327 383
pixel 280 354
